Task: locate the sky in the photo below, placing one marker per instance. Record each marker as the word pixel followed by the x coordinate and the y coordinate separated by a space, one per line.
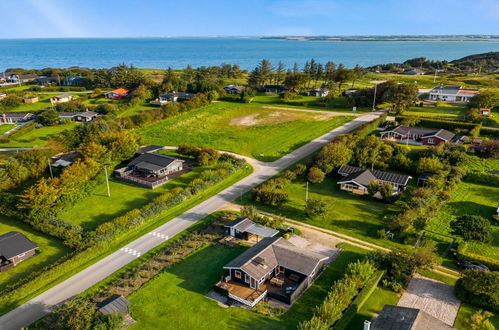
pixel 166 18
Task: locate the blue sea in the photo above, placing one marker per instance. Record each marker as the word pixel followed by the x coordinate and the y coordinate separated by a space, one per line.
pixel 246 52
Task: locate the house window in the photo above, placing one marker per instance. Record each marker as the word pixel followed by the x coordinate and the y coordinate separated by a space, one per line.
pixel 237 274
pixel 281 269
pixel 431 141
pixel 246 278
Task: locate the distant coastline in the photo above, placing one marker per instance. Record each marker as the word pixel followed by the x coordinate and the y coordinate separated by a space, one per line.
pixel 429 38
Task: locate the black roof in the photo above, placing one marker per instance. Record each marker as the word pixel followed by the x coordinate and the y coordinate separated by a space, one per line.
pixel 365 177
pixel 154 159
pixel 14 243
pixel 149 148
pixel 115 303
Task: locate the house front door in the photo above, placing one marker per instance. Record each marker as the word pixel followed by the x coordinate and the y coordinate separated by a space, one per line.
pixel 253 283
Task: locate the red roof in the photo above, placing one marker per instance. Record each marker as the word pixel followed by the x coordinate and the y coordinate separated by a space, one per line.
pixel 121 91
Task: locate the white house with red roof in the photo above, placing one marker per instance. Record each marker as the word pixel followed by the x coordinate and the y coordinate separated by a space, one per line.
pixel 116 94
pixel 452 94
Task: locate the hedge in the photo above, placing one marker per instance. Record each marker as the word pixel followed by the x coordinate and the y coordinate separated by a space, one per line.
pixel 462 252
pixel 483 178
pixel 489 132
pixel 359 301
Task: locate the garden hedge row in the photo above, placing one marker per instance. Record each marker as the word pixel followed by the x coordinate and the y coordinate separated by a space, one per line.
pixel 437 123
pixel 463 253
pixel 359 301
pixel 483 178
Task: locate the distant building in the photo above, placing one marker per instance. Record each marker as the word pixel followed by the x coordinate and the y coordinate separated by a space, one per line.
pixel 84 117
pixel 116 94
pixel 452 94
pixel 175 97
pixel 114 304
pixel 74 81
pixel 66 159
pixel 405 318
pixel 485 111
pixel 318 92
pixel 63 98
pixel 417 136
pixel 349 92
pixel 356 180
pixel 15 117
pixel 10 77
pixel 15 248
pixel 274 89
pixel 234 89
pixel 31 99
pixel 43 81
pixel 414 72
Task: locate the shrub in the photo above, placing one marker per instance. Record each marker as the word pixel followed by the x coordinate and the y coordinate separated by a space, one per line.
pixel 479 288
pixel 472 228
pixel 315 207
pixel 315 175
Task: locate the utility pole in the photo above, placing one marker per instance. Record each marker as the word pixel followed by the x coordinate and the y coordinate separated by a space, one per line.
pixel 50 168
pixel 374 99
pixel 107 182
pixel 435 76
pixel 306 194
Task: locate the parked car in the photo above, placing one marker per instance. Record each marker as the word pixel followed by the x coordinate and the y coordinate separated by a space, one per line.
pixel 472 265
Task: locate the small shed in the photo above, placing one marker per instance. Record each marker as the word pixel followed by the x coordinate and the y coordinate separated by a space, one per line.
pixel 423 179
pixel 115 303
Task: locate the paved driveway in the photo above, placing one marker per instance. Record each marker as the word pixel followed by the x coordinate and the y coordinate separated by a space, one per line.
pixel 433 297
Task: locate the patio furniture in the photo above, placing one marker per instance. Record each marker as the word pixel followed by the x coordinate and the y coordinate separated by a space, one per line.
pixel 277 282
pixel 294 277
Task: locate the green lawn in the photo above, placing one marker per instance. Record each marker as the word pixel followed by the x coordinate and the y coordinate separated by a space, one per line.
pixel 474 199
pixel 358 216
pixel 44 102
pixel 305 102
pixel 481 165
pixel 4 128
pixel 176 297
pixel 466 311
pixel 379 298
pixel 444 112
pixel 99 208
pixel 247 129
pixel 38 137
pixel 50 249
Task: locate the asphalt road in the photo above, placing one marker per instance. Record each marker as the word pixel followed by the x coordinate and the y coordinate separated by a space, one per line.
pixel 39 306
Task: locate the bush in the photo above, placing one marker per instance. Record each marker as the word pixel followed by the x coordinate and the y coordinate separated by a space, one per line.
pixel 480 289
pixel 315 207
pixel 315 175
pixel 472 228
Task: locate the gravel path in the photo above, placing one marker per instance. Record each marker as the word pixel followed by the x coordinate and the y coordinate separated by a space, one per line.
pixel 433 297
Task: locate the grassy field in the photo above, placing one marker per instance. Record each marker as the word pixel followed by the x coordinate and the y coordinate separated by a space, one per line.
pixel 358 216
pixel 473 199
pixel 99 208
pixel 481 165
pixel 247 129
pixel 180 291
pixel 443 112
pixel 38 137
pixel 4 128
pixel 50 249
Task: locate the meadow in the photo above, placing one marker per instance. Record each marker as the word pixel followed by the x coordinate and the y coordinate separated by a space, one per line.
pixel 181 290
pixel 37 137
pixel 247 129
pixel 50 249
pixel 4 128
pixel 475 199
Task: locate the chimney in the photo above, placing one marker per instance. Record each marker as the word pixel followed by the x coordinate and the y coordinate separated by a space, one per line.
pixel 367 325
